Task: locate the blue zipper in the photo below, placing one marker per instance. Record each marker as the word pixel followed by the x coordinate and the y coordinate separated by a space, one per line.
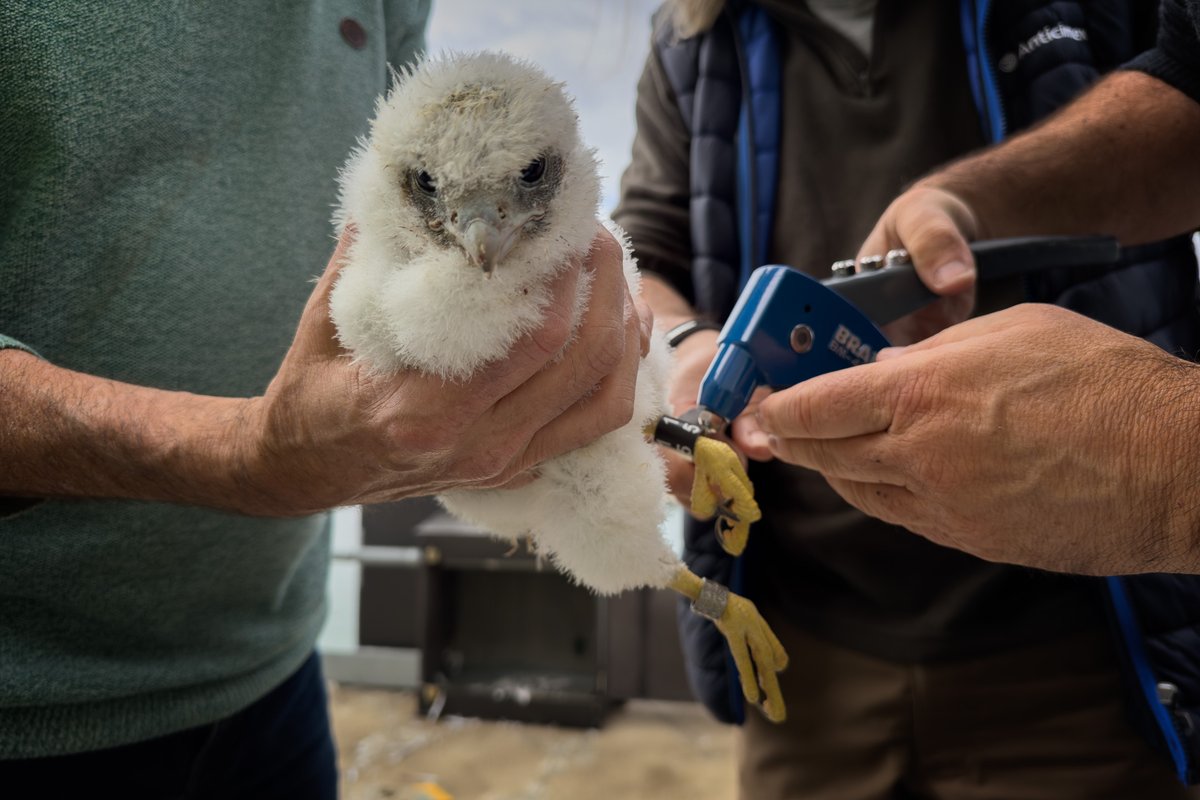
pixel 974 19
pixel 744 196
pixel 1131 632
pixel 990 91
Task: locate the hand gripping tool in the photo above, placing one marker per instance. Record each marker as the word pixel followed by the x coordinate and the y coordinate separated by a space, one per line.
pixel 787 326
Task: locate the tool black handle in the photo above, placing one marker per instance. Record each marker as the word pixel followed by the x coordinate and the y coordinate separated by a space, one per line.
pixel 1005 258
pixel 893 291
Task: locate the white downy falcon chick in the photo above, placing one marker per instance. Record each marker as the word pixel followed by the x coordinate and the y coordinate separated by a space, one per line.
pixel 471 192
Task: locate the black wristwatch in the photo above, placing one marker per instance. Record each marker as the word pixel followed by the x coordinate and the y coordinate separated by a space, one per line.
pixel 686 329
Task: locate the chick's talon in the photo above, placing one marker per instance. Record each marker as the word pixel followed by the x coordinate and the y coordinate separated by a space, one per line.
pixel 758 654
pixel 731 532
pixel 721 488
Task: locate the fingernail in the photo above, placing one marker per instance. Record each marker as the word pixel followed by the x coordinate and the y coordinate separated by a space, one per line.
pixel 948 274
pixel 773 442
pixel 758 439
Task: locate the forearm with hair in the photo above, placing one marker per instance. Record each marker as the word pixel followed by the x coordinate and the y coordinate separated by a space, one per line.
pixel 67 434
pixel 1123 160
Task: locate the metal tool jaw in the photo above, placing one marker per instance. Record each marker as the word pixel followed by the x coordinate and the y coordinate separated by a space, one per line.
pixel 786 327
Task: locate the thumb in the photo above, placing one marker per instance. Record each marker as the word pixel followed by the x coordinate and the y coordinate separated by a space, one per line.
pixel 748 436
pixel 316 333
pixel 934 226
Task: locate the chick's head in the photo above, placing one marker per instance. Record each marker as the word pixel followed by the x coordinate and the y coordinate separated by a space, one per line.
pixel 481 155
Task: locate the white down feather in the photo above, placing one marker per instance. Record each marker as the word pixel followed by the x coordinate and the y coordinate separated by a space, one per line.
pixel 404 301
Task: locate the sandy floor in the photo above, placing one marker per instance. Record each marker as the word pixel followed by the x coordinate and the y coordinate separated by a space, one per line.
pixel 646 750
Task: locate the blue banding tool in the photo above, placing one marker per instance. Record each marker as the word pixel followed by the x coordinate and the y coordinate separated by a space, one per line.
pixel 788 327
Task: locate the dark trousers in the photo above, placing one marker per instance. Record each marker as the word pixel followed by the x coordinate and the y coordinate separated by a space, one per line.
pixel 279 747
pixel 1044 722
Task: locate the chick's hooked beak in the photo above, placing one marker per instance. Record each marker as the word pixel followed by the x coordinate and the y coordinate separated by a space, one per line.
pixel 487 234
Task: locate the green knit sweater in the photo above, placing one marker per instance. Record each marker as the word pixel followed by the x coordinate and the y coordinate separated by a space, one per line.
pixel 166 177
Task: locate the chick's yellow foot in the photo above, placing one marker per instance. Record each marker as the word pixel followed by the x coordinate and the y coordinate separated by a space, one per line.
pixel 721 488
pixel 756 650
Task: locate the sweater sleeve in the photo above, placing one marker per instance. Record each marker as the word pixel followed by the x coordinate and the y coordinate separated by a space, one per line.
pixel 655 187
pixel 1176 58
pixel 9 343
pixel 14 505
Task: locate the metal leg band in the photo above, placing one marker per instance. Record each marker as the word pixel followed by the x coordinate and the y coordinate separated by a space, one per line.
pixel 711 601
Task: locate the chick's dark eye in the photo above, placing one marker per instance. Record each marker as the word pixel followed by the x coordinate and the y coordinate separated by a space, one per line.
pixel 425 182
pixel 533 172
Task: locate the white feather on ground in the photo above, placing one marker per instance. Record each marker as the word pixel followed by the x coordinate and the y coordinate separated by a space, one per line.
pixel 409 296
